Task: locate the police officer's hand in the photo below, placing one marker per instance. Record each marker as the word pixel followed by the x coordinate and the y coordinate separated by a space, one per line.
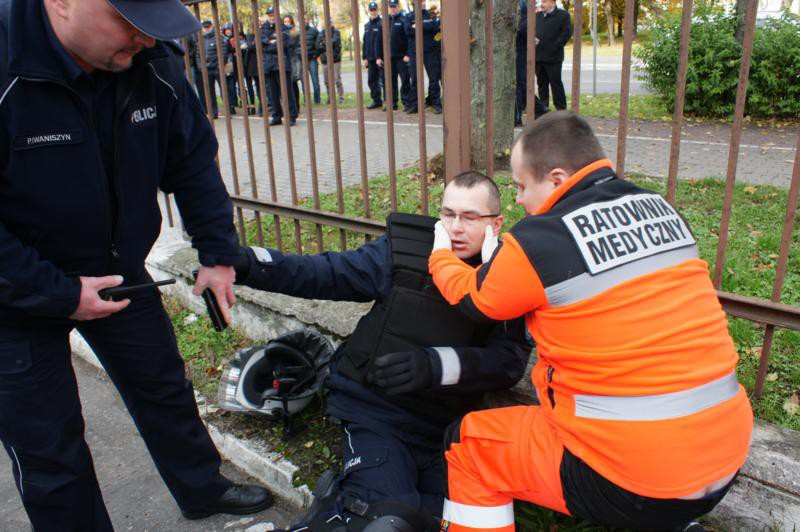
pixel 91 307
pixel 366 63
pixel 489 244
pixel 403 372
pixel 379 62
pixel 406 59
pixel 220 280
pixel 441 239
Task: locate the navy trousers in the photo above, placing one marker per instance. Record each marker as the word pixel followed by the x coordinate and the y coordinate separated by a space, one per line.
pixel 42 428
pixel 433 68
pixel 375 82
pixel 381 467
pixel 274 88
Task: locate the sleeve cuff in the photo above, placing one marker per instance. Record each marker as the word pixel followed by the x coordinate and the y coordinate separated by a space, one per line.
pixel 449 366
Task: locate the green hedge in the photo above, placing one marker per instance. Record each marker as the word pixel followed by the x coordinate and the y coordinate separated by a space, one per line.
pixel 714 60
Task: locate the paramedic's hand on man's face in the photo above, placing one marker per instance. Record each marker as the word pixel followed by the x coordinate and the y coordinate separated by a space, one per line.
pixel 489 244
pixel 441 239
pixel 403 372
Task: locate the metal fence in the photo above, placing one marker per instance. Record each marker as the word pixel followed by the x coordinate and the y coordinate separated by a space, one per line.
pixel 457 130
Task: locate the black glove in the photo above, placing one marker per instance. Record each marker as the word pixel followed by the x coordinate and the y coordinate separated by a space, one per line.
pixel 403 372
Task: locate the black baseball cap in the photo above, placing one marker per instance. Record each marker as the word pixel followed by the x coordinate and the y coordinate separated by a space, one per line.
pixel 373 6
pixel 394 3
pixel 161 19
pixel 270 10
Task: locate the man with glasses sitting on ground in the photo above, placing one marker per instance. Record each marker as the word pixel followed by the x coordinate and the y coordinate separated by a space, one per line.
pixel 413 364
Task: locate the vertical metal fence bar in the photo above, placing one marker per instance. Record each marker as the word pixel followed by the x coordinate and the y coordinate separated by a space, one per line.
pixel 228 126
pixel 625 88
pixel 780 271
pixel 490 88
pixel 362 136
pixel 680 99
pixel 577 33
pixel 337 158
pixel 455 74
pixel 387 67
pixel 246 118
pixel 262 85
pixel 312 148
pixel 736 136
pixel 287 128
pixel 422 126
pixel 201 46
pixel 530 68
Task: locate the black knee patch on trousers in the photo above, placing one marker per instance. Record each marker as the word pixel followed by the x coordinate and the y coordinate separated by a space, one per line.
pixel 452 434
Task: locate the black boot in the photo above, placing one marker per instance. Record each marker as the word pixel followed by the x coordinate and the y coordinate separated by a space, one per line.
pixel 237 500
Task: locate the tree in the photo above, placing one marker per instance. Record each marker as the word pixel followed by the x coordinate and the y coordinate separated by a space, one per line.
pixel 505 20
pixel 741 12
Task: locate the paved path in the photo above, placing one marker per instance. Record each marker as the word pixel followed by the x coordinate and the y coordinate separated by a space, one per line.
pixel 609 71
pixel 135 496
pixel 766 155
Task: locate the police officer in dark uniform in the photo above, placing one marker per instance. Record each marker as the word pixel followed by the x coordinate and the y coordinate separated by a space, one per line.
pixel 432 57
pixel 96 115
pixel 413 364
pixel 553 31
pixel 372 55
pixel 398 41
pixel 269 39
pixel 522 69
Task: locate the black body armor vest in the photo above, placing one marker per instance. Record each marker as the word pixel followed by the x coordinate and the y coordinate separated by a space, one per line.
pixel 413 316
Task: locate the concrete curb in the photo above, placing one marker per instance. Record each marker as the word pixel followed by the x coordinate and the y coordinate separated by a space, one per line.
pixel 766 496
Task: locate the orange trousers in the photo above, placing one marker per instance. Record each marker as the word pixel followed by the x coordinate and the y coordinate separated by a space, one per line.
pixel 502 454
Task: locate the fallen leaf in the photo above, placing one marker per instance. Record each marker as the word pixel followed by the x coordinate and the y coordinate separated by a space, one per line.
pixel 772 377
pixel 792 404
pixel 309 444
pixel 750 190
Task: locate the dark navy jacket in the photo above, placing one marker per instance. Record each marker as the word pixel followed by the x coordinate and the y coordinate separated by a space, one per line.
pixel 372 45
pixel 79 186
pixel 398 39
pixel 269 41
pixel 364 274
pixel 212 59
pixel 553 31
pixel 430 28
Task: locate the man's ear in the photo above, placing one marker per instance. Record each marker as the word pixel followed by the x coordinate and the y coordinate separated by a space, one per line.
pixel 557 177
pixel 497 225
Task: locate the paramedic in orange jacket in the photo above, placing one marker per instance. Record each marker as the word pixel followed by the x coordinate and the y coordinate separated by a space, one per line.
pixel 641 422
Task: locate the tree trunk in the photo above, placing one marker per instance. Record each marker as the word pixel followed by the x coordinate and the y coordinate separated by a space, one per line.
pixel 610 23
pixel 636 5
pixel 619 27
pixel 741 12
pixel 505 21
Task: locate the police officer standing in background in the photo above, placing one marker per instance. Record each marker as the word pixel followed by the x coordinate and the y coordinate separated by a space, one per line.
pixel 522 68
pixel 398 42
pixel 553 31
pixel 432 57
pixel 269 39
pixel 372 55
pixel 96 116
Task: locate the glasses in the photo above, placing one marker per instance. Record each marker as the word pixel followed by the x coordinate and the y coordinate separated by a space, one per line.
pixel 468 219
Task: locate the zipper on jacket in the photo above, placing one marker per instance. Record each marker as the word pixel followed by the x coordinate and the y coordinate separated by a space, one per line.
pixel 550 394
pixel 90 122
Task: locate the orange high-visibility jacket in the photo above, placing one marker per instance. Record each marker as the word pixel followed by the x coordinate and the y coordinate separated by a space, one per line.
pixel 636 369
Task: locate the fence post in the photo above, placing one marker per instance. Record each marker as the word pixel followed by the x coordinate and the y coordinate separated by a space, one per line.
pixel 455 78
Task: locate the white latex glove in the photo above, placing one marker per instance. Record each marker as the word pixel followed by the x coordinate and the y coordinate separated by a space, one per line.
pixel 489 244
pixel 441 240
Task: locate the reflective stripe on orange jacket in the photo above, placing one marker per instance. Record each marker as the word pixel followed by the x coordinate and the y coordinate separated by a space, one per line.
pixel 636 369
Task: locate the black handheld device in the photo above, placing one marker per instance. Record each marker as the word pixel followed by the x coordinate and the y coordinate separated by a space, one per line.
pixel 212 306
pixel 121 292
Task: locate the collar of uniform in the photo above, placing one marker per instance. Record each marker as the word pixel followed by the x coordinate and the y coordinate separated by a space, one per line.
pixel 572 182
pixel 35 51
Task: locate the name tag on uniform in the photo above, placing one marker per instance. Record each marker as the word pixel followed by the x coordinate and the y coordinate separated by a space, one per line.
pixel 630 228
pixel 55 138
